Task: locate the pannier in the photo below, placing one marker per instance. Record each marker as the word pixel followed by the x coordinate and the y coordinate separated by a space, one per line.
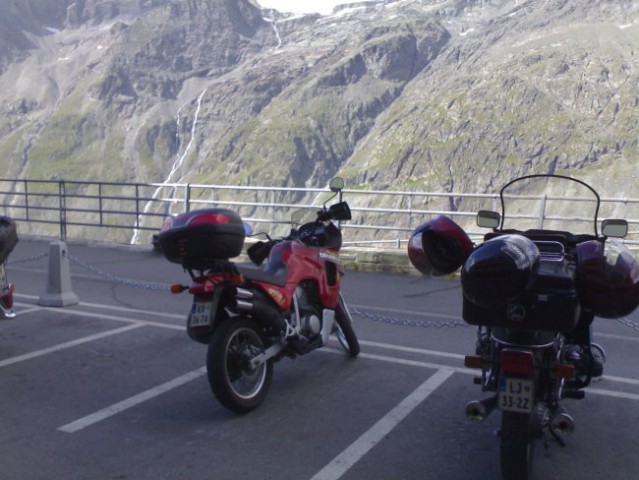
pixel 200 238
pixel 507 283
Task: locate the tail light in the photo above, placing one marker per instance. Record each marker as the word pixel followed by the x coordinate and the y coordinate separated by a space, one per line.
pixel 207 218
pixel 516 361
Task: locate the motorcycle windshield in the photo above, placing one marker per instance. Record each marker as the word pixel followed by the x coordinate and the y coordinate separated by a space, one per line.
pixel 549 202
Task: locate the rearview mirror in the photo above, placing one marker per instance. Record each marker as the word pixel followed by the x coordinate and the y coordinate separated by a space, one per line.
pixel 614 227
pixel 336 184
pixel 488 219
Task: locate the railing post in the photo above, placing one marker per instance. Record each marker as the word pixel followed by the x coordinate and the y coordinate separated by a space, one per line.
pixel 26 199
pixel 100 203
pixel 542 211
pixel 137 205
pixel 187 197
pixel 63 209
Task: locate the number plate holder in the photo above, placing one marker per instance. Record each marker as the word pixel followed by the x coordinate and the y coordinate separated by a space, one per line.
pixel 515 394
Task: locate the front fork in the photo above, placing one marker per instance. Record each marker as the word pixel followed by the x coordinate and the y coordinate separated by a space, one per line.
pixel 6 295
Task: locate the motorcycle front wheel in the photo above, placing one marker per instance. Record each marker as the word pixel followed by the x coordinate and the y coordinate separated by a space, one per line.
pixel 517 446
pixel 235 384
pixel 344 329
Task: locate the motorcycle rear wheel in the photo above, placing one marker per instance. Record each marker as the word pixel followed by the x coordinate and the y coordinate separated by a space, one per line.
pixel 234 383
pixel 344 330
pixel 517 446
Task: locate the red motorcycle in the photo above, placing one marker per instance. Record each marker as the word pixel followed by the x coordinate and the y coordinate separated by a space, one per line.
pixel 8 240
pixel 286 303
pixel 533 288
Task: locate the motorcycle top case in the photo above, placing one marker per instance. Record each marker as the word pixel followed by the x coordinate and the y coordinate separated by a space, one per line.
pixel 507 283
pixel 199 238
pixel 8 237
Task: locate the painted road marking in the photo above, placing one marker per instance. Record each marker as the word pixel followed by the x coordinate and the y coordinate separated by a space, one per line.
pixel 177 382
pixel 72 343
pixel 422 351
pixel 104 316
pixel 130 402
pixel 360 447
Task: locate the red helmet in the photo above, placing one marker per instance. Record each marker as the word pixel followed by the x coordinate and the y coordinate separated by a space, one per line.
pixel 439 246
pixel 608 278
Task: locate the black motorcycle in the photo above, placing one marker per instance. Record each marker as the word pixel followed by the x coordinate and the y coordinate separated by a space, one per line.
pixel 533 288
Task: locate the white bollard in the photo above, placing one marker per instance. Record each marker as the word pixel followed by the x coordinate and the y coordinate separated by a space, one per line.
pixel 59 292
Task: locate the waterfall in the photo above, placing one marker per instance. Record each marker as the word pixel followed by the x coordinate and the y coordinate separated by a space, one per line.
pixel 273 23
pixel 176 164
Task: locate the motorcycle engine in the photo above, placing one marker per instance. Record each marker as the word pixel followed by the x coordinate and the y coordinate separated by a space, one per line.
pixel 309 321
pixel 310 325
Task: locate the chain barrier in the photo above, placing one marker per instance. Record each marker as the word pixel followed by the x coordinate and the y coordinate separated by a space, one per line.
pixel 407 322
pixel 629 323
pixel 27 259
pixel 375 317
pixel 117 279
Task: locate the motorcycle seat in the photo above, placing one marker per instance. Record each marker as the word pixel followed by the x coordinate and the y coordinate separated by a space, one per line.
pixel 276 276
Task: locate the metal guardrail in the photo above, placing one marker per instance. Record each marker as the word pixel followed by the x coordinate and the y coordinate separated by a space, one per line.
pixel 131 212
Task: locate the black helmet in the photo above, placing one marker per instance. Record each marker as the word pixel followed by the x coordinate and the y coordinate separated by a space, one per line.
pixel 499 270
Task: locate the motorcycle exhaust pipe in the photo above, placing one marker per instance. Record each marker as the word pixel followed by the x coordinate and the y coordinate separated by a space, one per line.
pixel 244 305
pixel 264 312
pixel 478 410
pixel 245 294
pixel 562 423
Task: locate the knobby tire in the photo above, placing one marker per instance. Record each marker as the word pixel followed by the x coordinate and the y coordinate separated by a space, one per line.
pixel 235 385
pixel 345 333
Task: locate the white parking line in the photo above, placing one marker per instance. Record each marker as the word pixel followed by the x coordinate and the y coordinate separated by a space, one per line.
pixel 421 351
pixel 612 393
pixel 116 308
pixel 84 313
pixel 72 343
pixel 131 402
pixel 630 381
pixel 349 457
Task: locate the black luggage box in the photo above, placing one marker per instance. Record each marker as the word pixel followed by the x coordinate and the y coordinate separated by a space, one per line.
pixel 199 238
pixel 551 303
pixel 8 237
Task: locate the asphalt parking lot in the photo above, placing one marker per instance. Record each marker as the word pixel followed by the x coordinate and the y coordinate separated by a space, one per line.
pixel 112 388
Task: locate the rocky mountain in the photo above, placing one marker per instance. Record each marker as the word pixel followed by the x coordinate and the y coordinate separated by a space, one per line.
pixel 433 95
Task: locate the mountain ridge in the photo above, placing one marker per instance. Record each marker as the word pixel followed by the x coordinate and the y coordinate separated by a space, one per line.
pixel 441 95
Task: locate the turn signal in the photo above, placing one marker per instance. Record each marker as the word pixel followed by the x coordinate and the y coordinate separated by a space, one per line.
pixel 563 370
pixel 177 288
pixel 472 361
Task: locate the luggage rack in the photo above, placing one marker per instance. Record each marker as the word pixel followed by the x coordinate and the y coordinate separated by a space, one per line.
pixel 550 250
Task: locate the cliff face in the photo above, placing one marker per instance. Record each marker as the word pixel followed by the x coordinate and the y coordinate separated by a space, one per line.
pixel 438 95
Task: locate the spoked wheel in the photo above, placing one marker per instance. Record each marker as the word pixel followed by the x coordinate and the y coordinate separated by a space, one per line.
pixel 344 329
pixel 235 384
pixel 517 446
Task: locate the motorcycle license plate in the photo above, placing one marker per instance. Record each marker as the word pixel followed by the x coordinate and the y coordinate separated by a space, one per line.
pixel 515 394
pixel 200 314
